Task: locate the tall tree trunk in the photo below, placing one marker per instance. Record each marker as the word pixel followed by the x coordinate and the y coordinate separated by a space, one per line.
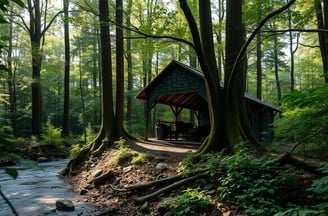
pixel 11 80
pixel 96 79
pixel 203 45
pixel 236 120
pixel 322 21
pixel 119 110
pixel 228 117
pixel 106 73
pixel 84 126
pixel 105 136
pixel 129 66
pixel 65 131
pixel 276 68
pixel 259 55
pixel 219 33
pixel 259 66
pixel 35 36
pixel 291 52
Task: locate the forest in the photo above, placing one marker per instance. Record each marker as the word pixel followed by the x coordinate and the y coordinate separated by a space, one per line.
pixel 71 72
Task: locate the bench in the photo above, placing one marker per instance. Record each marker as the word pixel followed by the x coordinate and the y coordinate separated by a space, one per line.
pixel 176 130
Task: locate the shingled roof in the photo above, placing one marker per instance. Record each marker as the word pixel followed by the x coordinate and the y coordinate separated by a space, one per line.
pixel 183 86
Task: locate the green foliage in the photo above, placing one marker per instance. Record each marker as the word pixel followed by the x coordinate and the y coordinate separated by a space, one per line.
pixel 5 145
pixel 191 202
pixel 91 134
pixel 320 186
pixel 298 211
pixel 126 155
pixel 12 172
pixel 305 119
pixel 258 186
pixel 51 136
pixel 254 183
pixel 75 148
pixel 141 158
pixel 187 165
pixel 318 195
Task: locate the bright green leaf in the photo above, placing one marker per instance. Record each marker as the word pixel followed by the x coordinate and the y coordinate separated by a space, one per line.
pixel 12 172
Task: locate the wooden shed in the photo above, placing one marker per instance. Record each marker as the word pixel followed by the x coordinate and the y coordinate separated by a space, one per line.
pixel 182 87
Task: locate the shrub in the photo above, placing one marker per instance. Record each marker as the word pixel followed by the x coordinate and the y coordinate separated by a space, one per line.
pixel 305 120
pixel 141 158
pixel 191 202
pixel 75 148
pixel 318 196
pixel 51 136
pixel 258 186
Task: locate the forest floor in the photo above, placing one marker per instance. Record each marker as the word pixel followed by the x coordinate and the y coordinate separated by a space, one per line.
pixel 108 201
pixel 164 160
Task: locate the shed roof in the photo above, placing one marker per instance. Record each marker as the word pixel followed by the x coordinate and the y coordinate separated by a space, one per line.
pixel 183 86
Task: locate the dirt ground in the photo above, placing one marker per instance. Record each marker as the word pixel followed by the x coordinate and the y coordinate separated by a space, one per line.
pixel 111 202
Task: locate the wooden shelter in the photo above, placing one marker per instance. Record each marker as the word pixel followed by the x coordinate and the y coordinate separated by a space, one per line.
pixel 183 87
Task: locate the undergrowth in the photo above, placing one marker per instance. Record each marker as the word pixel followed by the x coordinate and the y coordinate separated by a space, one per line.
pixel 51 136
pixel 124 154
pixel 258 186
pixel 191 202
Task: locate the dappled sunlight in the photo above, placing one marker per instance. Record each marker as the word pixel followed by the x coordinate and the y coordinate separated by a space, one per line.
pixel 36 191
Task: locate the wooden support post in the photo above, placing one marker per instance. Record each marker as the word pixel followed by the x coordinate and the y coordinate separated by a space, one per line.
pixel 176 111
pixel 146 122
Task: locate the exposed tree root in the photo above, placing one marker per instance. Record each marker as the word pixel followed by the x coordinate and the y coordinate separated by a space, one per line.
pixel 97 181
pixel 154 183
pixel 170 187
pixel 104 144
pixel 147 185
pixel 94 149
pixel 287 158
pixel 81 156
pixel 176 181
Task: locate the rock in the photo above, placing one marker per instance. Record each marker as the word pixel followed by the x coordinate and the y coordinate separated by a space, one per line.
pixel 42 159
pixel 161 166
pixel 83 191
pixel 127 169
pixel 64 205
pixel 96 173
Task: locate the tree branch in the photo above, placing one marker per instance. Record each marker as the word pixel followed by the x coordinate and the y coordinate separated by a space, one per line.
pixel 169 188
pixel 24 25
pixel 138 31
pixel 297 30
pixel 9 203
pixel 254 33
pixel 50 23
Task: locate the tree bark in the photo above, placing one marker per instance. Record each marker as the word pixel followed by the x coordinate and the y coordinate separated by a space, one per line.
pixel 65 131
pixel 119 111
pixel 322 22
pixel 203 45
pixel 129 66
pixel 35 37
pixel 259 72
pixel 108 131
pixel 11 80
pixel 236 120
pixel 276 68
pixel 170 187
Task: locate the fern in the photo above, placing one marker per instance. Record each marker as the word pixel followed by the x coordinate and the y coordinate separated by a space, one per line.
pixel 51 136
